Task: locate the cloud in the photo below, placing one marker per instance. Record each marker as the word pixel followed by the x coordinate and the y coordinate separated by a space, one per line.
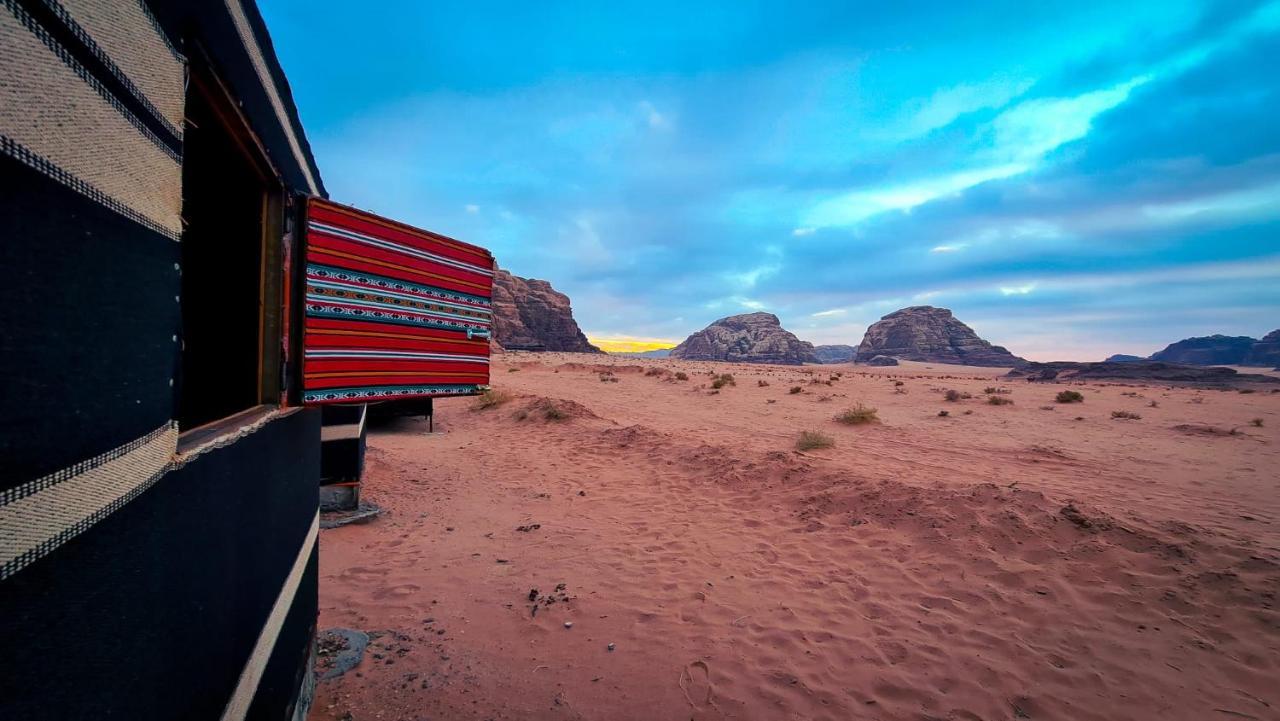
pixel 1023 289
pixel 1104 161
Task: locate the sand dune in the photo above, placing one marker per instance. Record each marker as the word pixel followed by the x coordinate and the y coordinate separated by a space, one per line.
pixel 1031 560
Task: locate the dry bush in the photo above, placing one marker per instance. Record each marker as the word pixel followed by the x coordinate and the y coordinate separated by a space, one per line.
pixel 762 383
pixel 1069 397
pixel 491 398
pixel 513 370
pixel 552 412
pixel 858 415
pixel 795 389
pixel 1126 415
pixel 943 414
pixel 809 440
pixel 952 395
pixel 723 380
pixel 654 372
pixel 1256 422
pixel 682 376
pixel 999 401
pixel 992 390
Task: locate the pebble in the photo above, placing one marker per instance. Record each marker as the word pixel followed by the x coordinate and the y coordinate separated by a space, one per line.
pixel 568 624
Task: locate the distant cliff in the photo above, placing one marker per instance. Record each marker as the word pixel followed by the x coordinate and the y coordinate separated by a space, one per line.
pixel 835 353
pixel 1210 350
pixel 933 335
pixel 529 314
pixel 747 338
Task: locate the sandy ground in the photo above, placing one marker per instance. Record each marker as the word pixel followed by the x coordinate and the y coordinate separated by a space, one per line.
pixel 1025 561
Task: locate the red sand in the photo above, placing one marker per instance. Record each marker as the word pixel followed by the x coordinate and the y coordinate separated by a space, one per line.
pixel 1011 563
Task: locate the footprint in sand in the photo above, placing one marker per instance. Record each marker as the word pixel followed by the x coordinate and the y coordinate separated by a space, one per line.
pixel 695 682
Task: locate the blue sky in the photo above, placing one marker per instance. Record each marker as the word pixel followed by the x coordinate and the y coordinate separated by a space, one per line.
pixel 1073 179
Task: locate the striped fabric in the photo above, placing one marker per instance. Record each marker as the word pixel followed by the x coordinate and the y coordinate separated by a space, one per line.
pixel 392 311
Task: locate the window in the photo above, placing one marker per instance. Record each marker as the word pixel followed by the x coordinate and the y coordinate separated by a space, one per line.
pixel 230 268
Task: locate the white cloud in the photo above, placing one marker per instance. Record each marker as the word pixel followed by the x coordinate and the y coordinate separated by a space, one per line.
pixel 802 232
pixel 826 313
pixel 947 248
pixel 1017 289
pixel 656 120
pixel 1026 132
pixel 472 208
pixel 853 208
pixel 1020 138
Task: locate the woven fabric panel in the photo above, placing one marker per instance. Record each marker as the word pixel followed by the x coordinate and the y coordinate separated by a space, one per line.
pixel 392 311
pixel 128 35
pixel 58 118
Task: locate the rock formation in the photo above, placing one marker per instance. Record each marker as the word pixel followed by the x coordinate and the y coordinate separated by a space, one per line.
pixel 1266 352
pixel 1146 371
pixel 835 353
pixel 1124 358
pixel 749 338
pixel 934 335
pixel 1211 350
pixel 882 360
pixel 529 314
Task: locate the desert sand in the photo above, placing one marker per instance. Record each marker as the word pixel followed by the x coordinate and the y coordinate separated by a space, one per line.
pixel 1033 560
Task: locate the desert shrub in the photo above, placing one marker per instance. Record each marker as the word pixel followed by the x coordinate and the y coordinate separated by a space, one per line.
pixel 654 372
pixel 682 376
pixel 1247 390
pixel 857 415
pixel 1256 422
pixel 552 412
pixel 1069 397
pixel 992 390
pixel 521 414
pixel 1046 408
pixel 943 414
pixel 1126 415
pixel 810 440
pixel 952 395
pixel 1153 404
pixel 491 398
pixel 513 370
pixel 795 389
pixel 999 401
pixel 723 380
pixel 762 383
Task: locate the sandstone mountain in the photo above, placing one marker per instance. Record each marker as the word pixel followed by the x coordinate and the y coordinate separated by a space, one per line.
pixel 1123 358
pixel 934 335
pixel 529 314
pixel 749 338
pixel 835 353
pixel 1265 352
pixel 1208 350
pixel 1182 374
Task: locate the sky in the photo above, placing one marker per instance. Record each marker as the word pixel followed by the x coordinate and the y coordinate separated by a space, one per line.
pixel 1072 179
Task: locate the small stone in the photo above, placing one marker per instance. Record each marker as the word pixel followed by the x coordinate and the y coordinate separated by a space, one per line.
pixel 568 624
pixel 612 646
